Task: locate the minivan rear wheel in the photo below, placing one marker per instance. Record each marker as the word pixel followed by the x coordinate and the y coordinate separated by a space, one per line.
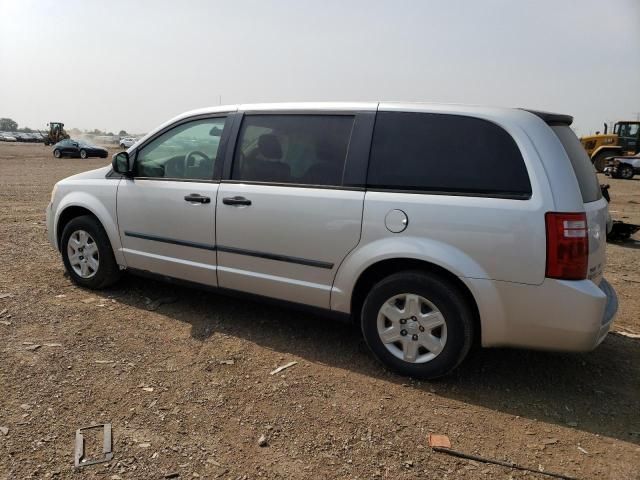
pixel 418 324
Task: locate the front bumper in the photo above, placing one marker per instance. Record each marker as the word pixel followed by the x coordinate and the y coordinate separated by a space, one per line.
pixel 51 236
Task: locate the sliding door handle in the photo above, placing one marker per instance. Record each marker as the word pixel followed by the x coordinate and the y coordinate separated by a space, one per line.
pixel 236 201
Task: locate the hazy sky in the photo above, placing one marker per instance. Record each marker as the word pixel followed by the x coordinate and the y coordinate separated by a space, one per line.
pixel 134 64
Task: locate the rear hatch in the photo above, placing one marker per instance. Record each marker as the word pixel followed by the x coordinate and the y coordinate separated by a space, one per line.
pixel 595 206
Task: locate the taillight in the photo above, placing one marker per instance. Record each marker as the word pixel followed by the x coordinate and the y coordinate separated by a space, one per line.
pixel 567 246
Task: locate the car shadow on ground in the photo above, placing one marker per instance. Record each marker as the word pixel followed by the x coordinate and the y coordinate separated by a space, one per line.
pixel 597 392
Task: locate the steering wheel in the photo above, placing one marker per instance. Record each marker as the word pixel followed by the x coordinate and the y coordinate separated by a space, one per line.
pixel 194 153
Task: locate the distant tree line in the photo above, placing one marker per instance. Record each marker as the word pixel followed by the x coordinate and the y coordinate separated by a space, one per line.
pixel 10 125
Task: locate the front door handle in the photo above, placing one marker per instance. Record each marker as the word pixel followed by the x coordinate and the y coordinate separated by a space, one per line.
pixel 197 198
pixel 236 201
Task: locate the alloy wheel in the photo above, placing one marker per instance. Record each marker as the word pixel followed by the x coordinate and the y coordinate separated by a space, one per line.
pixel 83 254
pixel 412 328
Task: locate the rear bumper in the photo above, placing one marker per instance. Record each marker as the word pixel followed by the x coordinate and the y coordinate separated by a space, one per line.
pixel 556 315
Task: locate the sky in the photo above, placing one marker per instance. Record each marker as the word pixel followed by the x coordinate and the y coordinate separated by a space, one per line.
pixel 131 65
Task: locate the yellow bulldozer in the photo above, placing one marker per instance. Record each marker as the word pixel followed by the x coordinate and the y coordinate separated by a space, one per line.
pixel 55 134
pixel 624 140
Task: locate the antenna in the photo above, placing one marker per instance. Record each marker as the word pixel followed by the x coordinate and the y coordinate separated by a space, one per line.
pixel 637 114
pixel 220 100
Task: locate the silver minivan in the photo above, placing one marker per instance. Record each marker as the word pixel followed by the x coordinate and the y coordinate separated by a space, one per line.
pixel 432 226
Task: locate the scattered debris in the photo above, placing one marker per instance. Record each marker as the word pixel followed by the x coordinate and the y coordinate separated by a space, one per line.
pixel 4 431
pixel 5 322
pixel 172 475
pixel 583 450
pixel 25 406
pixel 154 304
pixel 227 362
pixel 213 462
pixel 550 441
pixel 103 361
pixel 5 295
pixel 33 347
pixel 478 458
pixel 89 300
pixel 147 389
pixel 62 295
pixel 4 310
pixel 262 441
pixel 441 441
pixel 283 367
pixel 144 445
pixel 52 344
pixel 80 461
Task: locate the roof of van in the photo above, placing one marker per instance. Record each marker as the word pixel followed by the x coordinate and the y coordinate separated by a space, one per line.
pixel 492 113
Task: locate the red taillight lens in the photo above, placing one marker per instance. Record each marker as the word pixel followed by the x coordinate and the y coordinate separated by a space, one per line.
pixel 567 246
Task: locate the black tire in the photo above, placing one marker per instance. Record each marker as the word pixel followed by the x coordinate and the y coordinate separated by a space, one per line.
pixel 625 171
pixel 57 153
pixel 108 271
pixel 83 154
pixel 448 299
pixel 600 160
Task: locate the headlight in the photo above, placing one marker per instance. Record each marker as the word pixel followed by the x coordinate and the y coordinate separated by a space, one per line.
pixel 53 192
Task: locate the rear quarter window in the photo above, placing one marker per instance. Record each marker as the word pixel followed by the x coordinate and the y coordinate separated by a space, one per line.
pixel 581 163
pixel 448 154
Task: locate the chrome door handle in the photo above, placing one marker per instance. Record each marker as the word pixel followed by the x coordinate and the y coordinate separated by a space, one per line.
pixel 236 201
pixel 197 198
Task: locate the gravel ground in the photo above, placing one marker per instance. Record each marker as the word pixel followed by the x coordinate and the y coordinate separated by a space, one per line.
pixel 186 384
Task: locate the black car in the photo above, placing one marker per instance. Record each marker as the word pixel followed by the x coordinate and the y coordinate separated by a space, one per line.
pixel 73 148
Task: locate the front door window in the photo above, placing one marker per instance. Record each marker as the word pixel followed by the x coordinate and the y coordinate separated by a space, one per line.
pixel 186 152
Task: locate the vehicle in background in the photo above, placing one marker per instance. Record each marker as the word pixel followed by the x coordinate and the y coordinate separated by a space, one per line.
pixel 81 149
pixel 349 207
pixel 623 167
pixel 126 142
pixel 7 137
pixel 55 134
pixel 625 140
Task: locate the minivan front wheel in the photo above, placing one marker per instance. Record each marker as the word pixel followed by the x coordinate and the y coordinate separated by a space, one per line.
pixel 87 254
pixel 417 324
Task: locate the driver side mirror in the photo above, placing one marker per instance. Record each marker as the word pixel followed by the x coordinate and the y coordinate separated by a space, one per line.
pixel 120 164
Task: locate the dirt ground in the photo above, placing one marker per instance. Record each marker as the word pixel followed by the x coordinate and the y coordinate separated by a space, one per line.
pixel 187 387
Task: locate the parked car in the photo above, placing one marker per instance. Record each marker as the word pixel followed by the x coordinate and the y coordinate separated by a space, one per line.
pixel 359 209
pixel 623 167
pixel 126 142
pixel 7 137
pixel 73 148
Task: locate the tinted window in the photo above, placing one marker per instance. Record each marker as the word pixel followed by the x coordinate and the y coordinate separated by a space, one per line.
pixel 188 151
pixel 581 163
pixel 303 149
pixel 447 154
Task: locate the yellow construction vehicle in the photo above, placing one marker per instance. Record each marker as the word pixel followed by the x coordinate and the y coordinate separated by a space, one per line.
pixel 55 134
pixel 625 140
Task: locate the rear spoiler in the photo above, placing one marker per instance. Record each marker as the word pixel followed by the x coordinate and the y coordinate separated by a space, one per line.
pixel 552 118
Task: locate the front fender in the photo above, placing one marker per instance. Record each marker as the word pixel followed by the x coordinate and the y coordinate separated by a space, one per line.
pixel 103 208
pixel 415 248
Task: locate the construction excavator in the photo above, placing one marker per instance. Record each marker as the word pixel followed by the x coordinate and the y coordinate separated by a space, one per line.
pixel 55 134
